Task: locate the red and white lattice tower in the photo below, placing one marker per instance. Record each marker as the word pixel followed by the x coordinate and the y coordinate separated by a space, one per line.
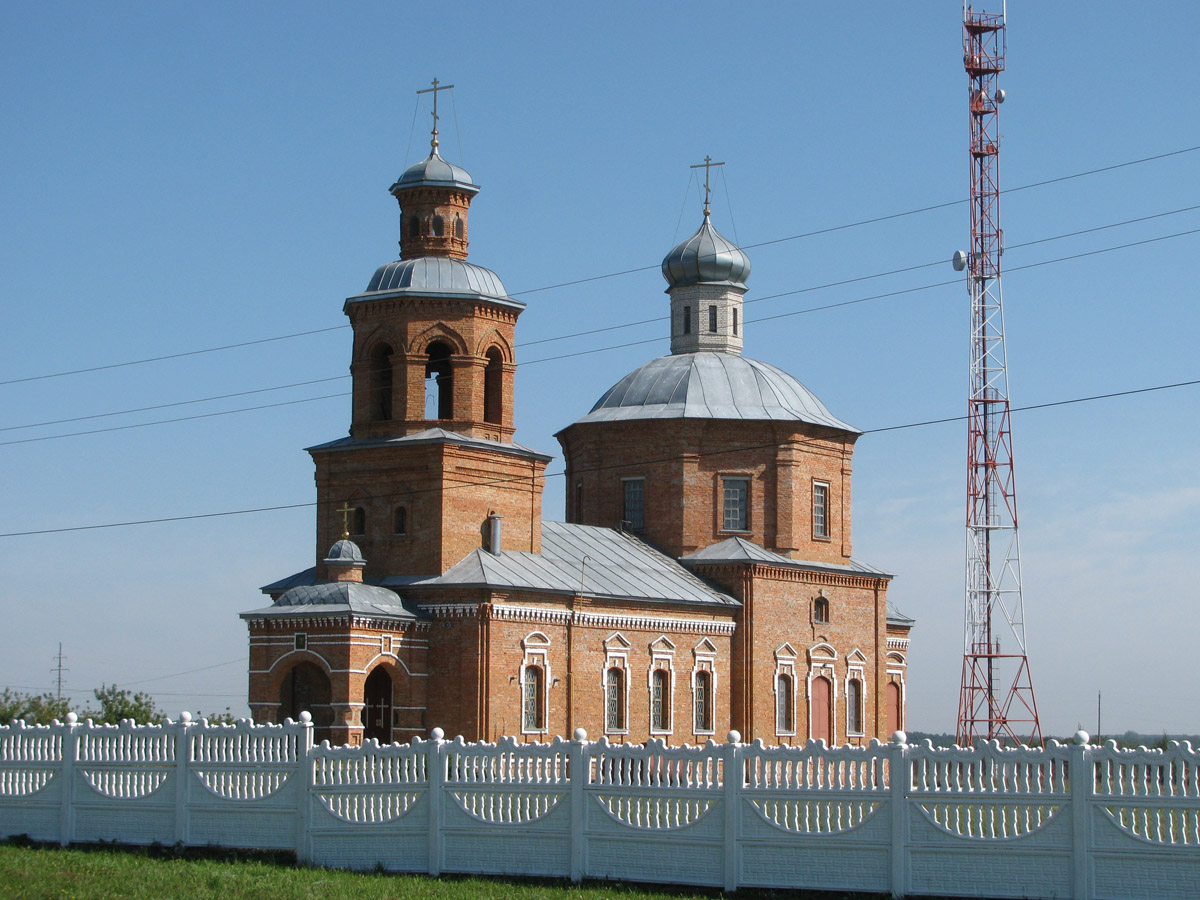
pixel 996 700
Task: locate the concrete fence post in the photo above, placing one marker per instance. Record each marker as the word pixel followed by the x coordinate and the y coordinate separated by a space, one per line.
pixel 898 784
pixel 579 775
pixel 435 763
pixel 731 807
pixel 1082 784
pixel 70 755
pixel 182 759
pixel 304 791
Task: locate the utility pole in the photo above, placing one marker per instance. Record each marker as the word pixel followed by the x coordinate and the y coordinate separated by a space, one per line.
pixel 58 670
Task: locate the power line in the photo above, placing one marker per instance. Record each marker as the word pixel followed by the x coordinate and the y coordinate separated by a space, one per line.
pixel 820 231
pixel 812 309
pixel 262 509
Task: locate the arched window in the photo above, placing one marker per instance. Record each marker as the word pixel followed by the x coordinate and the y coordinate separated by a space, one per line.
pixel 785 719
pixel 493 388
pixel 533 713
pixel 377 706
pixel 381 383
pixel 660 700
pixel 702 702
pixel 414 227
pixel 854 710
pixel 400 520
pixel 358 523
pixel 459 228
pixel 614 700
pixel 821 611
pixel 438 371
pixel 894 719
pixel 439 226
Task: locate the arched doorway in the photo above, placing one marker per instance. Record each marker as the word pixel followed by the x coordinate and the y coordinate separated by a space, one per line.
pixel 822 710
pixel 377 709
pixel 306 689
pixel 439 383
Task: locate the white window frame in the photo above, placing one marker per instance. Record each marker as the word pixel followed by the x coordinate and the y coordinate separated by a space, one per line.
pixel 705 660
pixel 300 640
pixel 856 662
pixel 748 481
pixel 662 656
pixel 785 664
pixel 616 656
pixel 824 533
pixel 537 653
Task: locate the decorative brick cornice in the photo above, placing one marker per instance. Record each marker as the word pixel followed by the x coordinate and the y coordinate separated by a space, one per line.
pixel 593 619
pixel 788 573
pixel 897 643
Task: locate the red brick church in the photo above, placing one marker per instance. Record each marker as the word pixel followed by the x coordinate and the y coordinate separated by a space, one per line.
pixel 703 579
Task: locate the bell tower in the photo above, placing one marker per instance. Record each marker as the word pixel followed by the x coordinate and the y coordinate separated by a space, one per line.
pixel 430 453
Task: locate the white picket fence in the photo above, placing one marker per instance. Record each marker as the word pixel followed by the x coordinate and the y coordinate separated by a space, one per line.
pixel 1093 823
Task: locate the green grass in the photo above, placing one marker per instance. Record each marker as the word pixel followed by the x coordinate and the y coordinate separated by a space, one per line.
pixel 156 873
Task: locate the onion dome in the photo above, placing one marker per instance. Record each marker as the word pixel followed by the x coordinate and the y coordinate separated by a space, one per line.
pixel 706 258
pixel 433 171
pixel 711 386
pixel 345 553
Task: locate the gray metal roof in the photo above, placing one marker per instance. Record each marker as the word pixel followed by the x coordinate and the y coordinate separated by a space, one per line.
pixel 345 552
pixel 597 562
pixel 706 258
pixel 740 550
pixel 895 617
pixel 708 385
pixel 433 171
pixel 436 275
pixel 338 597
pixel 431 436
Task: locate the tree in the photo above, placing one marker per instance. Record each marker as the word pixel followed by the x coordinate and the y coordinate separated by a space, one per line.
pixel 118 704
pixel 40 709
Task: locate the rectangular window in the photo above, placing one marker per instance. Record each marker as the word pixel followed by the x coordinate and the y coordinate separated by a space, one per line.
pixel 783 705
pixel 660 702
pixel 735 318
pixel 533 718
pixel 614 700
pixel 820 510
pixel 635 503
pixel 687 320
pixel 854 717
pixel 301 641
pixel 737 491
pixel 712 320
pixel 579 501
pixel 702 713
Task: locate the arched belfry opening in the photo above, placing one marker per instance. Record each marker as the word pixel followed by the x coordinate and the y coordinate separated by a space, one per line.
pixel 439 382
pixel 493 387
pixel 381 383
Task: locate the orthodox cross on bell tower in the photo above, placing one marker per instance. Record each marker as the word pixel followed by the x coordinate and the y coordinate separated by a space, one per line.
pixel 345 511
pixel 707 166
pixel 434 90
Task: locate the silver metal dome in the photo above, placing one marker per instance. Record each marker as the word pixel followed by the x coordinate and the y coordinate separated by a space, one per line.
pixel 709 385
pixel 435 171
pixel 345 552
pixel 706 257
pixel 437 275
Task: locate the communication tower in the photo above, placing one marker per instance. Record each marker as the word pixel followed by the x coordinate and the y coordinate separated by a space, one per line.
pixel 996 700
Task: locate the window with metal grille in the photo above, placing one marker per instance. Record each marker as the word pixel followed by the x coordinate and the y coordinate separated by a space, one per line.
pixel 854 712
pixel 533 718
pixel 735 517
pixel 614 700
pixel 784 718
pixel 712 319
pixel 635 503
pixel 820 510
pixel 660 701
pixel 702 700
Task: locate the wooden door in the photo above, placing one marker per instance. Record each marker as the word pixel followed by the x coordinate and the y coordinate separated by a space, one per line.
pixel 822 709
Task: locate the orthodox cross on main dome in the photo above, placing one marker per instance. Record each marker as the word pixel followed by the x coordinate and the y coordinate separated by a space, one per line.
pixel 707 165
pixel 434 90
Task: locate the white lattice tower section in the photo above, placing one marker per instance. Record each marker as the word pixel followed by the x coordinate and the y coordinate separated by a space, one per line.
pixel 996 700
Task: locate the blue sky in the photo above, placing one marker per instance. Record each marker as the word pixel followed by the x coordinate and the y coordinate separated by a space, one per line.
pixel 181 177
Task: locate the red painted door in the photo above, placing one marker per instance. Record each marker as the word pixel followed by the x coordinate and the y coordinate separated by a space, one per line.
pixel 893 708
pixel 822 709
